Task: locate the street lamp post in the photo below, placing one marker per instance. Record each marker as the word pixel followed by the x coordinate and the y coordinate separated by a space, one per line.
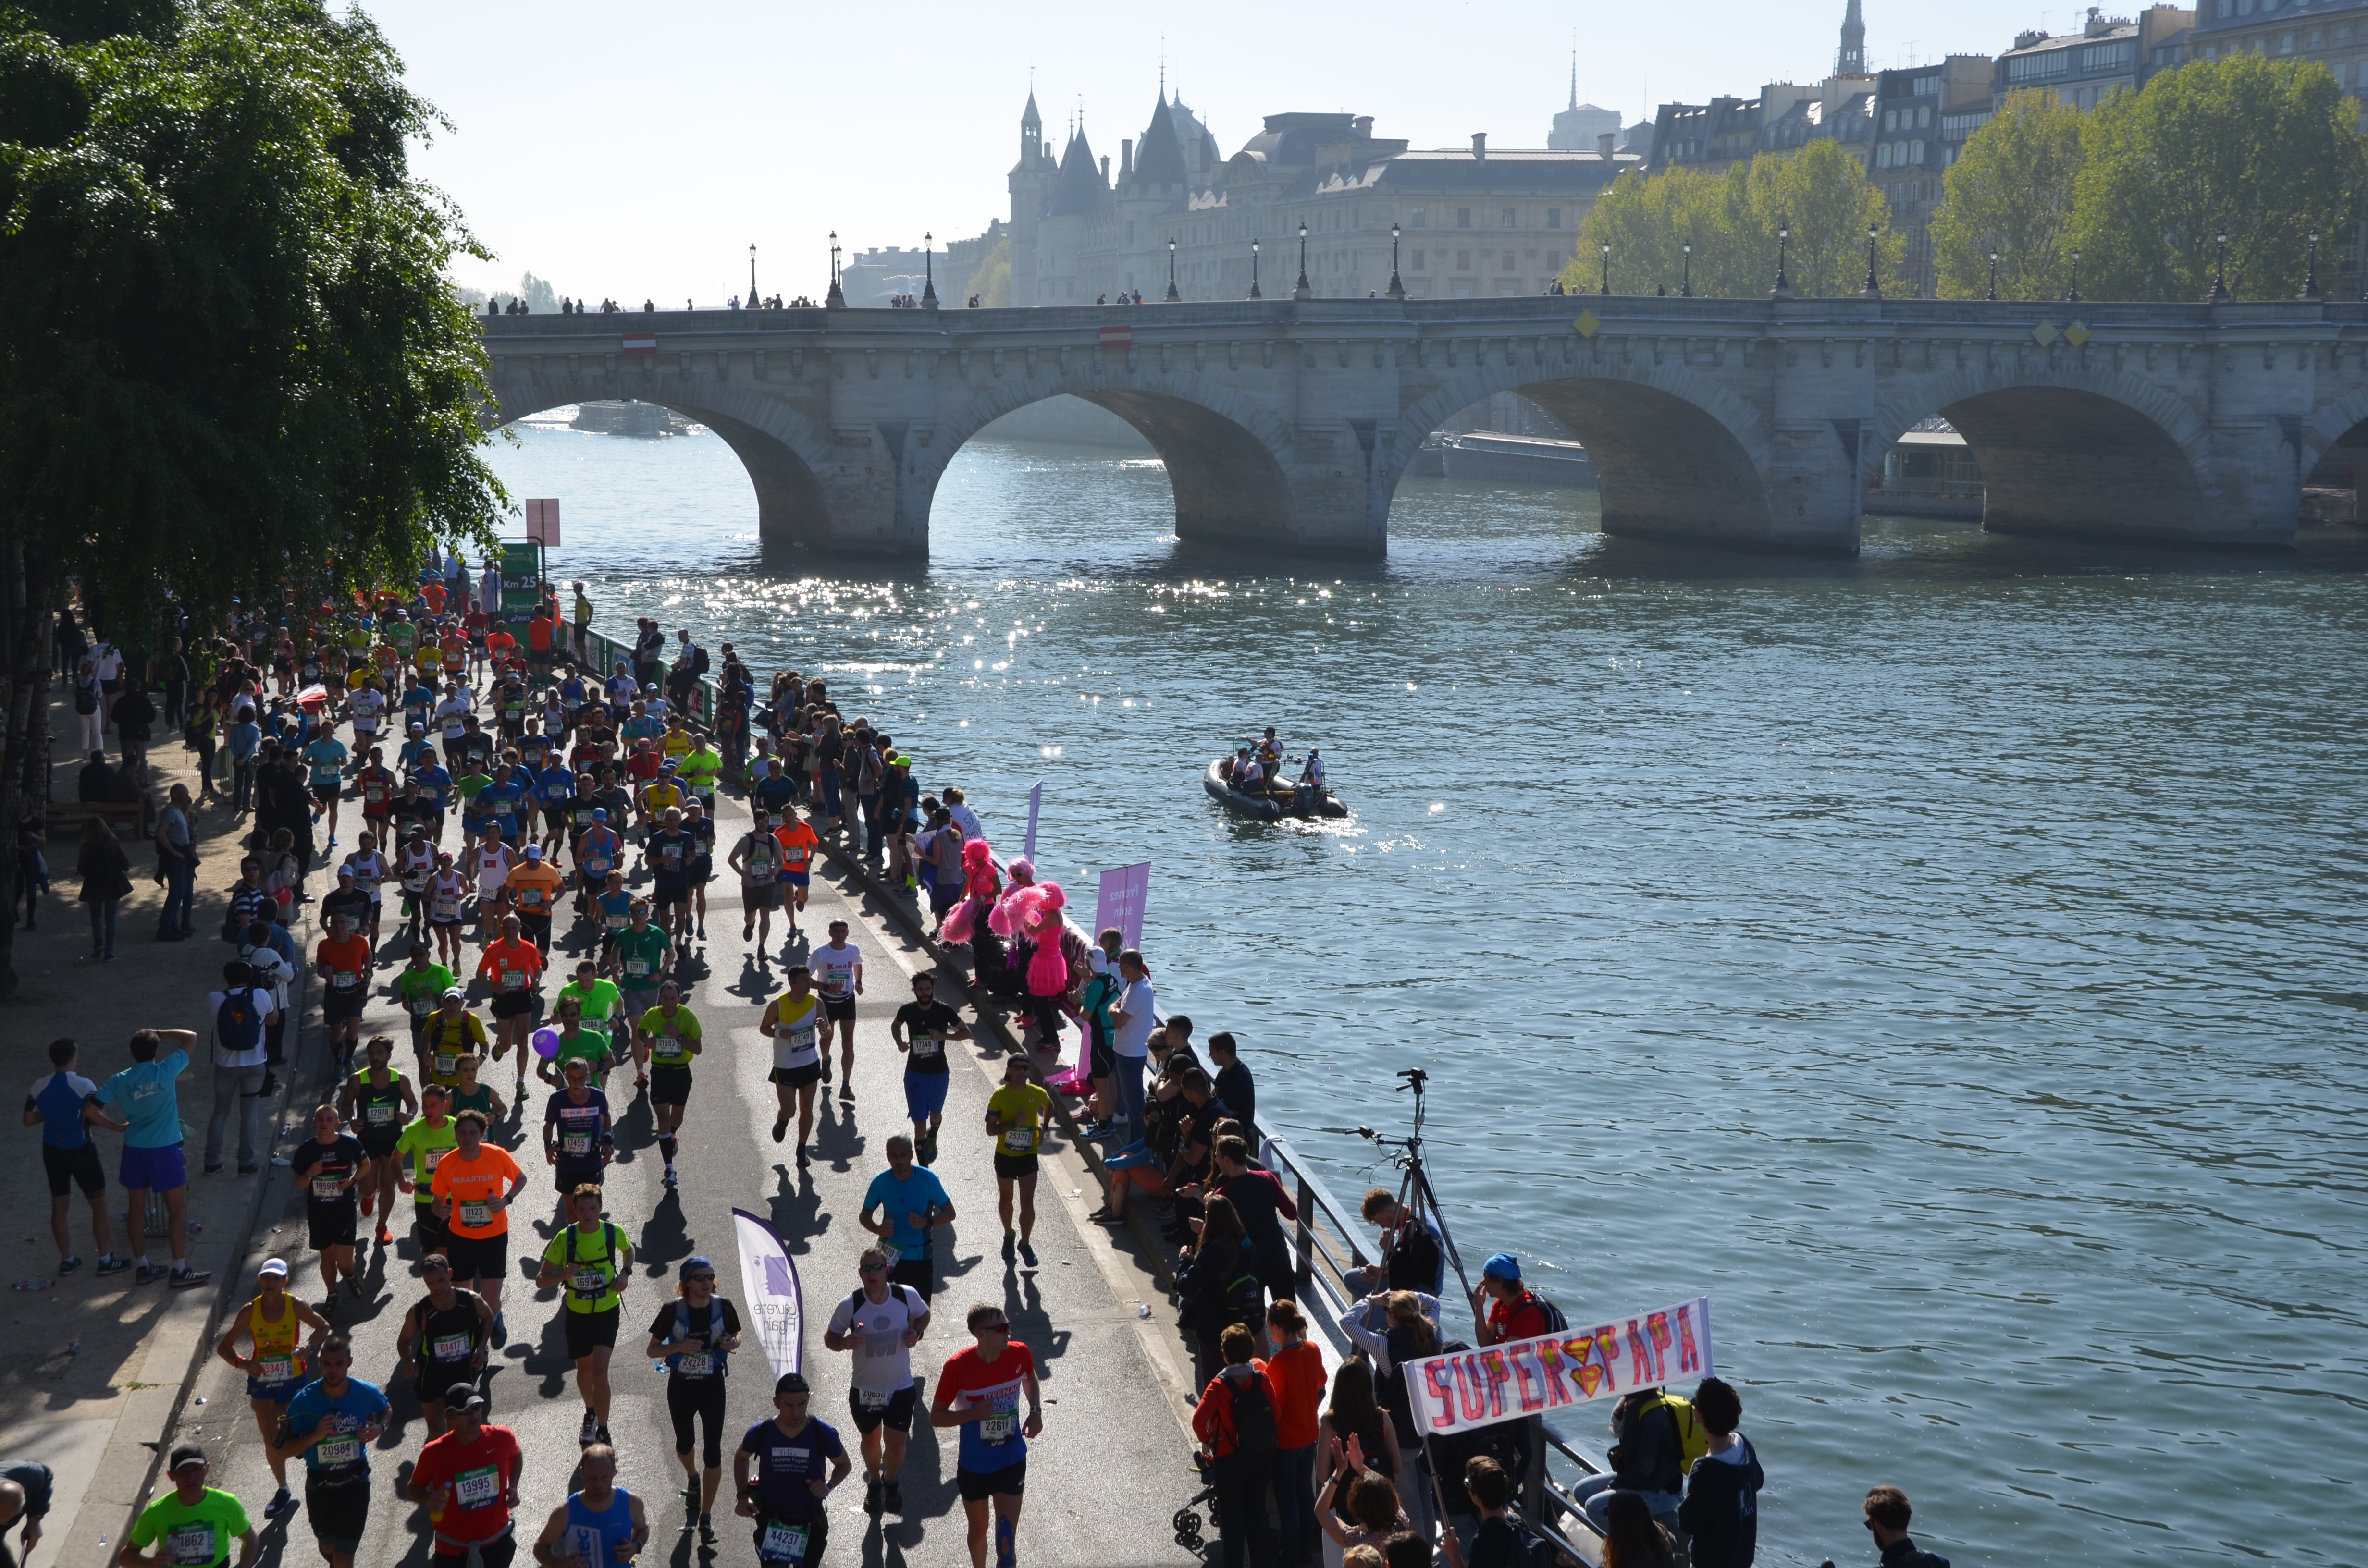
pixel 2310 279
pixel 1873 289
pixel 1993 293
pixel 752 277
pixel 1397 290
pixel 2219 271
pixel 1783 289
pixel 1172 295
pixel 2072 295
pixel 1300 290
pixel 1605 287
pixel 928 272
pixel 835 300
pixel 1686 276
pixel 1254 287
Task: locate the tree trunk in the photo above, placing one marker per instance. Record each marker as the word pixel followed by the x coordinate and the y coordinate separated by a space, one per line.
pixel 25 619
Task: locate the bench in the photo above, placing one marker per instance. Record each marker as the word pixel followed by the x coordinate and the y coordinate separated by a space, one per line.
pixel 114 813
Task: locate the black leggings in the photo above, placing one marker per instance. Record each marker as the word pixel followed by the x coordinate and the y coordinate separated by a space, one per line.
pixel 702 1398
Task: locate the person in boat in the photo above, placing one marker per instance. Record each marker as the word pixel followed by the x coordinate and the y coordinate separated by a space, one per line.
pixel 1269 753
pixel 1311 781
pixel 1248 777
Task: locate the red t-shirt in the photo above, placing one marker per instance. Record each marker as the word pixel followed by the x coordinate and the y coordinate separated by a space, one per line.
pixel 346 962
pixel 643 765
pixel 538 634
pixel 1295 1381
pixel 433 593
pixel 482 1469
pixel 500 643
pixel 506 958
pixel 474 623
pixel 1000 1385
pixel 1519 1319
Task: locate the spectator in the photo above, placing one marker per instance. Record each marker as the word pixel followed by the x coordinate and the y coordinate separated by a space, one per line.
pixel 1647 1458
pixel 1353 1423
pixel 1131 1021
pixel 96 783
pixel 149 1093
pixel 1412 1335
pixel 25 1491
pixel 1218 1286
pixel 1235 1423
pixel 1631 1537
pixel 1497 1542
pixel 243 737
pixel 1503 1310
pixel 243 1011
pixel 90 706
pixel 1887 1513
pixel 1294 1377
pixel 177 862
pixel 1235 1086
pixel 1263 1206
pixel 270 950
pixel 106 874
pixel 1721 1512
pixel 1413 1257
pixel 135 719
pixel 60 1106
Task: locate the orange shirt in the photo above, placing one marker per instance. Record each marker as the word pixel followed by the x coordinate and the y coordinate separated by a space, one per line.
pixel 1296 1385
pixel 800 844
pixel 347 962
pixel 538 634
pixel 511 965
pixel 467 1183
pixel 500 643
pixel 433 593
pixel 536 886
pixel 455 649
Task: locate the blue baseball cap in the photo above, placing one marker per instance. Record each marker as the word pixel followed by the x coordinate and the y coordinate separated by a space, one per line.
pixel 599 813
pixel 1502 1265
pixel 698 1263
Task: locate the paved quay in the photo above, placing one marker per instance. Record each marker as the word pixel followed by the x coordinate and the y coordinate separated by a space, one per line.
pixel 1110 1468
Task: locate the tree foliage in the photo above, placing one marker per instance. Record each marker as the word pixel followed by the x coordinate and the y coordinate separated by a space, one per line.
pixel 2011 191
pixel 992 281
pixel 1820 194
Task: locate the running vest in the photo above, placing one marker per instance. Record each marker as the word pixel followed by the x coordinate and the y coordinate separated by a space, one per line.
pixel 763 857
pixel 794 1038
pixel 708 1363
pixel 586 1279
pixel 277 1357
pixel 449 1341
pixel 418 869
pixel 369 871
pixel 380 1105
pixel 444 896
pixel 604 1540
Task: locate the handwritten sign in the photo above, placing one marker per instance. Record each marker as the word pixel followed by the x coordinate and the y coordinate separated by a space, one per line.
pixel 1465 1389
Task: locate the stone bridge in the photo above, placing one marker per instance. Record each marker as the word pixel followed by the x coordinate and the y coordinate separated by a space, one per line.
pixel 1286 425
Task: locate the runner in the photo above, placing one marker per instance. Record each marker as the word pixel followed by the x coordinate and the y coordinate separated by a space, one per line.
pixel 444 1340
pixel 979 1390
pixel 332 1422
pixel 533 888
pixel 469 1094
pixel 599 851
pixel 799 844
pixel 1015 1117
pixel 602 1525
pixel 787 1492
pixel 490 863
pixel 191 1525
pixel 578 1135
pixel 791 1021
pixel 419 985
pixel 596 1260
pixel 701 828
pixel 329 1167
pixel 468 1477
pixel 274 1364
pixel 474 1187
pixel 448 891
pixel 376 784
pixel 758 860
pixel 378 1099
pixel 879 1324
pixel 671 855
pixel 838 975
pixel 346 962
pixel 912 1203
pixel 554 791
pixel 326 758
pixel 602 1006
pixel 513 966
pixel 921 1028
pixel 668 1034
pixel 415 860
pixel 417 1152
pixel 644 953
pixel 450 1035
pixel 696 1334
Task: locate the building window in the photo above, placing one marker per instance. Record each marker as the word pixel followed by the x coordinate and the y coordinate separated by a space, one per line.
pixel 1916 153
pixel 1882 156
pixel 2316 40
pixel 1464 217
pixel 1553 216
pixel 2286 44
pixel 1507 216
pixel 2054 63
pixel 1506 264
pixel 1419 219
pixel 1924 117
pixel 1891 119
pixel 1463 261
pixel 2343 35
pixel 1418 261
pixel 2244 8
pixel 1927 86
pixel 2342 73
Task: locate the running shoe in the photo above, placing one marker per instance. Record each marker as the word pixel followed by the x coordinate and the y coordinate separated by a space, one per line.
pixel 68 1264
pixel 385 1236
pixel 803 1161
pixel 111 1265
pixel 601 1436
pixel 706 1530
pixel 847 1092
pixel 353 1287
pixel 826 1067
pixel 1027 1255
pixel 188 1278
pixel 281 1503
pixel 871 1489
pixel 501 1335
pixel 892 1497
pixel 779 1127
pixel 1010 1248
pixel 589 1433
pixel 668 1178
pixel 690 1498
pixel 703 932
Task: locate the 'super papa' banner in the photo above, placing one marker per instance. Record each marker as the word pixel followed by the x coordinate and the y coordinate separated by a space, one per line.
pixel 771 1305
pixel 1465 1389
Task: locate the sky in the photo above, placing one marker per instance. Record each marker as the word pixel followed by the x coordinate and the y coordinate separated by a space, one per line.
pixel 638 151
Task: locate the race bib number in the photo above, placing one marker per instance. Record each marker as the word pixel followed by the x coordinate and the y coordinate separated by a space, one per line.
pixel 478 1488
pixel 576 1143
pixel 618 923
pixel 325 1188
pixel 669 1048
pixel 591 1280
pixel 513 980
pixel 344 980
pixel 637 968
pixel 1004 1425
pixel 476 1214
pixel 340 1450
pixel 447 909
pixel 454 1347
pixel 420 1007
pixel 695 1364
pixel 274 1370
pixel 1019 1140
pixel 782 1543
pixel 380 1114
pixel 596 865
pixel 927 1048
pixel 435 1157
pixel 871 1399
pixel 190 1546
pixel 447 1063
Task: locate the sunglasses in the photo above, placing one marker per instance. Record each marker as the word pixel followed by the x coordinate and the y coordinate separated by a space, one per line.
pixel 995 1328
pixel 699 1278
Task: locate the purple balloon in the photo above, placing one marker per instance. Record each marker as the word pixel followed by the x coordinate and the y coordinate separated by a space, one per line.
pixel 546 1043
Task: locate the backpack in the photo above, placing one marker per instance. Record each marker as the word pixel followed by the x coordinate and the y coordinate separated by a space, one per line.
pixel 1555 1321
pixel 698 660
pixel 238 1026
pixel 1255 1437
pixel 1694 1438
pixel 85 700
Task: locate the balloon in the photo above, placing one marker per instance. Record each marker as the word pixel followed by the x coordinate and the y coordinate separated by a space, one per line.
pixel 546 1043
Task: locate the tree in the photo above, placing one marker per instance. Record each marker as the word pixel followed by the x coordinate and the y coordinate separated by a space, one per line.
pixel 2263 151
pixel 2011 191
pixel 1820 193
pixel 230 362
pixel 992 281
pixel 539 295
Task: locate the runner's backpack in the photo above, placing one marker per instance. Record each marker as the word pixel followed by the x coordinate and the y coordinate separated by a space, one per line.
pixel 1255 1438
pixel 238 1024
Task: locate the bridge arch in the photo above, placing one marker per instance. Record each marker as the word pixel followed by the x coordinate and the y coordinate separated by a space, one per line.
pixel 2062 449
pixel 1675 454
pixel 782 452
pixel 1227 459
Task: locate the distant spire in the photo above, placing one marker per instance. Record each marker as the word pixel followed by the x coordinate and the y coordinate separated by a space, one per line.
pixel 1851 60
pixel 1574 77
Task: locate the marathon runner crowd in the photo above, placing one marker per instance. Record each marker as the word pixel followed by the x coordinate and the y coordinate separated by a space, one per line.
pixel 500 791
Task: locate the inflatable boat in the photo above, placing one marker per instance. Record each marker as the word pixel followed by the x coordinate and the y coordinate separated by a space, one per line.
pixel 1270 808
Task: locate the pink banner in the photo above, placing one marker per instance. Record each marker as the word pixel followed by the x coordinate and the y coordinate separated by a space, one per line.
pixel 1125 891
pixel 1529 1377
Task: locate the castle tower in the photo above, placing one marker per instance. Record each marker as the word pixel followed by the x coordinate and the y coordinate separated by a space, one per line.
pixel 1030 183
pixel 1850 60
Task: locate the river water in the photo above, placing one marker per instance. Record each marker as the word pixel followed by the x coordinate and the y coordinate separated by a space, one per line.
pixel 1946 960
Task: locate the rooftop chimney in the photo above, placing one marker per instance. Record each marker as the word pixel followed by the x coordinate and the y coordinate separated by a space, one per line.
pixel 1606 141
pixel 1106 168
pixel 1126 159
pixel 1479 144
pixel 1363 125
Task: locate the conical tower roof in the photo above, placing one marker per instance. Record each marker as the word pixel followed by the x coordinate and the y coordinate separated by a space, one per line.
pixel 1081 190
pixel 1160 159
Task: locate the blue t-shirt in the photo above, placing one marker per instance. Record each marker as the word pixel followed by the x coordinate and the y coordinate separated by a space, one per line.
pixel 151 1101
pixel 915 1195
pixel 555 785
pixel 500 800
pixel 615 909
pixel 244 739
pixel 435 783
pixel 784 1465
pixel 327 757
pixel 356 1408
pixel 59 1097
